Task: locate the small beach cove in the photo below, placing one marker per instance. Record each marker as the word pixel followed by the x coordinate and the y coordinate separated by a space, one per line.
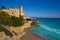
pixel 31 36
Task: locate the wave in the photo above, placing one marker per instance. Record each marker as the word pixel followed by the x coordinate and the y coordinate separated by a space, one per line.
pixel 51 29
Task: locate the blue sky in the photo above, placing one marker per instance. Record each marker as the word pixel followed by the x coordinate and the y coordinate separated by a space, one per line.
pixel 36 8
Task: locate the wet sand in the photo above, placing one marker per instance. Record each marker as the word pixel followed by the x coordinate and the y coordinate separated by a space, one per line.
pixel 31 36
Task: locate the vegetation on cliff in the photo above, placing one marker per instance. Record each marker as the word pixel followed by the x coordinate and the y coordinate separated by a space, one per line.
pixel 8 20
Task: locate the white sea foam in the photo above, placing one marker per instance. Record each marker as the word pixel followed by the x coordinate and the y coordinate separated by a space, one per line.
pixel 51 29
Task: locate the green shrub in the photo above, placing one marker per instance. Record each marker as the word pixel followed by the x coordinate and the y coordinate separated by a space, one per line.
pixel 3 15
pixel 5 19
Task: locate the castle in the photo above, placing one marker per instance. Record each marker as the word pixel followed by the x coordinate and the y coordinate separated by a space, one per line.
pixel 14 12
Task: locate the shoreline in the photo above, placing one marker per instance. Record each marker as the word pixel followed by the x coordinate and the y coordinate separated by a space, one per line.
pixel 31 36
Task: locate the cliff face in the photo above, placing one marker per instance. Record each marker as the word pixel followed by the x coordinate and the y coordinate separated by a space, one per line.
pixel 20 29
pixel 27 25
pixel 17 32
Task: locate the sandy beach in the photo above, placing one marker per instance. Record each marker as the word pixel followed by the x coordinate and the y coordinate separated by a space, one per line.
pixel 31 36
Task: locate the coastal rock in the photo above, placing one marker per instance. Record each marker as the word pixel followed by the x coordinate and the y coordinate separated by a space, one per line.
pixel 7 38
pixel 20 29
pixel 35 23
pixel 4 37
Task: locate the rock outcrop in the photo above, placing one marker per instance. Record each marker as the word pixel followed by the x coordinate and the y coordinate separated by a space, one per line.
pixel 17 32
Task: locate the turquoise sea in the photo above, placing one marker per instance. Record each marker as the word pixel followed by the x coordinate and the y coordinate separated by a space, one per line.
pixel 49 28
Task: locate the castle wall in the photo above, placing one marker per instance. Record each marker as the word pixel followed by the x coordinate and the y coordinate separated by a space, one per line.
pixel 14 12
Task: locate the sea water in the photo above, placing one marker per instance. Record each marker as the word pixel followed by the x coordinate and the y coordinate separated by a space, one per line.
pixel 49 28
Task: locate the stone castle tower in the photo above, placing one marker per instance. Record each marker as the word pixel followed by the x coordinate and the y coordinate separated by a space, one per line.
pixel 21 11
pixel 14 12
